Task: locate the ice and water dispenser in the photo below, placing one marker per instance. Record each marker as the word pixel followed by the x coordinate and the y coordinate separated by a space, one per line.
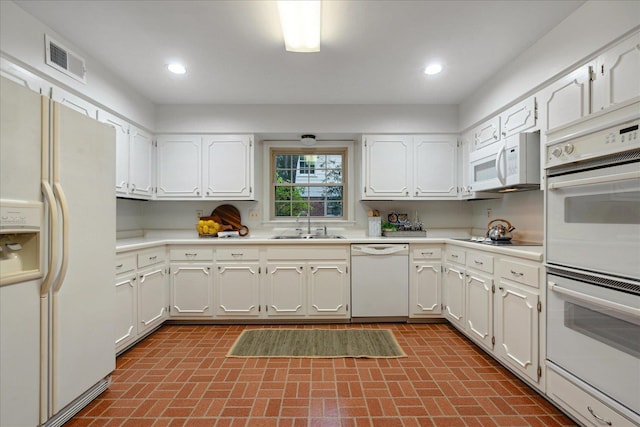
pixel 20 240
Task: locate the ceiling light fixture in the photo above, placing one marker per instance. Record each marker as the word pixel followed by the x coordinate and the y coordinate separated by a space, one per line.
pixel 308 140
pixel 176 68
pixel 300 21
pixel 433 69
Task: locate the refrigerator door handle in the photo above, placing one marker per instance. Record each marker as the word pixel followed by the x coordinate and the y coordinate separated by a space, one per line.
pixel 64 208
pixel 47 191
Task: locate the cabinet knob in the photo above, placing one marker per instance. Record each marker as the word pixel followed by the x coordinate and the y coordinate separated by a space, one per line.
pixel 516 273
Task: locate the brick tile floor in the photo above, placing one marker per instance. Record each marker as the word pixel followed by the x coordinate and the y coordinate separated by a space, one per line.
pixel 179 376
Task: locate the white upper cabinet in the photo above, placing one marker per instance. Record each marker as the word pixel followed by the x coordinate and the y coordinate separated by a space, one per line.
pixel 387 166
pixel 122 150
pixel 566 99
pixel 179 163
pixel 519 118
pixel 409 167
pixel 134 156
pixel 435 166
pixel 487 133
pixel 228 167
pixel 214 167
pixel 617 74
pixel 140 164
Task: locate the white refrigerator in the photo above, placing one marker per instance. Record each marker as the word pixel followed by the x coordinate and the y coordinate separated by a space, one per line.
pixel 57 346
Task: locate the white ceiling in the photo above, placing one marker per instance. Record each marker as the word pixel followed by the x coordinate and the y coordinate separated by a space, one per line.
pixel 373 52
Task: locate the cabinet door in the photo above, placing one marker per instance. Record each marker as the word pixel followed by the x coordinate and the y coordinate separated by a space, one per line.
pixel 516 328
pixel 126 311
pixel 616 74
pixel 140 164
pixel 329 290
pixel 519 118
pixel 178 170
pixel 387 166
pixel 285 289
pixel 122 150
pixel 228 166
pixel 424 290
pixel 566 99
pixel 74 102
pixel 487 133
pixel 152 298
pixel 435 166
pixel 237 288
pixel 191 290
pixel 454 295
pixel 480 308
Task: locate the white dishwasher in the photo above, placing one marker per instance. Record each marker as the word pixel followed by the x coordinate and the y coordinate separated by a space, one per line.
pixel 379 282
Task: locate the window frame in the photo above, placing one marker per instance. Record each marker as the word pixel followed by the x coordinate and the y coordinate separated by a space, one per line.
pixel 271 148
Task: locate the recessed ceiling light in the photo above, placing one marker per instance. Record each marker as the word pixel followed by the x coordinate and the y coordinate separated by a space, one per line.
pixel 176 68
pixel 433 69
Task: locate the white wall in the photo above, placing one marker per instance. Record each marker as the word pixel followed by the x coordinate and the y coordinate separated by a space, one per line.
pixel 299 119
pixel 22 41
pixel 589 29
pixel 524 210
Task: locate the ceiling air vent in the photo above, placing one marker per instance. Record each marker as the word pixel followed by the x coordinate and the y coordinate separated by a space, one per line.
pixel 62 59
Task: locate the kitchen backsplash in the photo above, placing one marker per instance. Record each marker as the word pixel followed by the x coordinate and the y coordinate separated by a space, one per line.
pixel 523 210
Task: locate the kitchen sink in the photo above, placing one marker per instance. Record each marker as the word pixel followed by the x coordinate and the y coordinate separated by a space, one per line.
pixel 309 236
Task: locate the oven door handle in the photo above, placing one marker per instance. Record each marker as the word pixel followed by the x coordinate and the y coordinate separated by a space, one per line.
pixel 595 180
pixel 618 308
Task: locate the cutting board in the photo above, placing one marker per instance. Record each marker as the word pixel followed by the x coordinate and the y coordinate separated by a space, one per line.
pixel 230 215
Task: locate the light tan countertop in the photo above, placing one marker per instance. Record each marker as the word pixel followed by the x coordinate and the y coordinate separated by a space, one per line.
pixel 137 243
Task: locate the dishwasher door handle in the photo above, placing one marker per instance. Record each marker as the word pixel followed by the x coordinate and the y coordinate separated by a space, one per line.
pixel 380 250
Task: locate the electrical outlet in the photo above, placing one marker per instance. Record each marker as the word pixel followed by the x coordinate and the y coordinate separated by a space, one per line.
pixel 198 213
pixel 254 214
pixel 488 212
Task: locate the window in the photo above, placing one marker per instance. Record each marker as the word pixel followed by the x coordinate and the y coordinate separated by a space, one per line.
pixel 308 181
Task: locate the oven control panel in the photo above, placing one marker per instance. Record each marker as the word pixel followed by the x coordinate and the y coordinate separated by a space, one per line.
pixel 608 141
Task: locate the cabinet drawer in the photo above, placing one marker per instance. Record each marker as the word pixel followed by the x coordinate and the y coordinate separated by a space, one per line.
pixel 480 262
pixel 456 255
pixel 150 257
pixel 314 253
pixel 519 272
pixel 125 263
pixel 427 252
pixel 582 405
pixel 191 254
pixel 238 253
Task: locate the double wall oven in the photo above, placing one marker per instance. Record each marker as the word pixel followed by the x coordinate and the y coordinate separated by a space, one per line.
pixel 593 257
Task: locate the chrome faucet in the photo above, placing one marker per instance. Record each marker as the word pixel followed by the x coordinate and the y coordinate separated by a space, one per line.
pixel 298 229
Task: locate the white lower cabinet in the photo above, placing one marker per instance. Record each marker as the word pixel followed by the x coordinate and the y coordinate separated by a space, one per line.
pixel 307 282
pixel 425 281
pixel 285 289
pixel 479 297
pixel 191 282
pixel 237 282
pixel 517 319
pixel 328 288
pixel 495 300
pixel 142 295
pixel 453 284
pixel 126 315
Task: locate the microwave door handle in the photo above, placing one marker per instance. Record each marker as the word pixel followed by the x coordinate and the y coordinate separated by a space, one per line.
pixel 618 308
pixel 595 180
pixel 499 158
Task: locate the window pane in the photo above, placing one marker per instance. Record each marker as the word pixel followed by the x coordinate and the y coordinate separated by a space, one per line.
pixel 283 209
pixel 334 208
pixel 283 193
pixel 333 176
pixel 334 193
pixel 308 182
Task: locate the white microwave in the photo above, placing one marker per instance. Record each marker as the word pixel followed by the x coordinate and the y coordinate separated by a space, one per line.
pixel 509 165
